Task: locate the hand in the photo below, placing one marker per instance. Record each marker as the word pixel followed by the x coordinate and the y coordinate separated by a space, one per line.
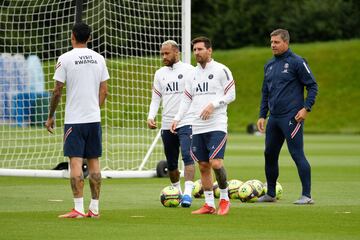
pixel 301 115
pixel 50 123
pixel 173 126
pixel 208 110
pixel 151 124
pixel 261 125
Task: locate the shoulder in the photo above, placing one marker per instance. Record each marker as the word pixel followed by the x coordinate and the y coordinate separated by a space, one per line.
pixel 296 58
pixel 219 65
pixel 98 55
pixel 160 71
pixel 269 62
pixel 67 55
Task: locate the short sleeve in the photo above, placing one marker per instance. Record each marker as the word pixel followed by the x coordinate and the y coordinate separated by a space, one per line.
pixel 60 70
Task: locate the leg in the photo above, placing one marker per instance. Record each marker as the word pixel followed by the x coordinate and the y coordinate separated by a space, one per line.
pixel 94 177
pixel 77 186
pixel 207 184
pixel 76 177
pixel 199 153
pixel 206 177
pixel 95 186
pixel 295 143
pixel 217 146
pixel 220 172
pixel 273 142
pixel 184 134
pixel 93 151
pixel 74 149
pixel 171 149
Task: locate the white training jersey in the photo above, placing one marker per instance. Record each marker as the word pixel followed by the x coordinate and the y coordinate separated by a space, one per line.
pixel 169 85
pixel 83 70
pixel 212 84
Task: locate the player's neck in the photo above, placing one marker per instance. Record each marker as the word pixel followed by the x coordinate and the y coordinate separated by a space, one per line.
pixel 79 45
pixel 203 64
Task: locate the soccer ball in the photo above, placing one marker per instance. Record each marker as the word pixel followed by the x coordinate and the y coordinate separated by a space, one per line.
pixel 170 196
pixel 198 191
pixel 258 185
pixel 278 190
pixel 233 186
pixel 216 189
pixel 248 193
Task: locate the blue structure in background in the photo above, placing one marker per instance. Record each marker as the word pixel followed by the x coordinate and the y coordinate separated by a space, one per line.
pixel 6 74
pixel 23 99
pixel 30 108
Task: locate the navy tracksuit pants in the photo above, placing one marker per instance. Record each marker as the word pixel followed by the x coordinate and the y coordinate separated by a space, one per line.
pixel 277 130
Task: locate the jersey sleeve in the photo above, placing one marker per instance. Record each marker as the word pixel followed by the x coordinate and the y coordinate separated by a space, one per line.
pixel 307 78
pixel 228 84
pixel 60 71
pixel 105 73
pixel 156 96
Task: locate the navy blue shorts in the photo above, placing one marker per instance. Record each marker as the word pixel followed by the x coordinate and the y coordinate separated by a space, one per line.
pixel 208 146
pixel 174 142
pixel 82 140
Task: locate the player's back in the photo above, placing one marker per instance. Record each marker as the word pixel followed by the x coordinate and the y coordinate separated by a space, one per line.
pixel 83 70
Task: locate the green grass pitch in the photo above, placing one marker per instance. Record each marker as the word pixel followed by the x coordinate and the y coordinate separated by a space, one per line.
pixel 131 209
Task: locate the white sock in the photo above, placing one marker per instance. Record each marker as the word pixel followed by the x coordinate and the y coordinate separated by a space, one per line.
pixel 94 206
pixel 189 186
pixel 177 185
pixel 79 205
pixel 224 194
pixel 209 198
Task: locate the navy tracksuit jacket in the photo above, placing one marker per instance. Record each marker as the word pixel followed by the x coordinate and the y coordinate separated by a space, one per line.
pixel 285 77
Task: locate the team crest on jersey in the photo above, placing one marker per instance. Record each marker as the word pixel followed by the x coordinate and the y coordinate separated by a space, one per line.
pixel 180 76
pixel 286 67
pixel 211 76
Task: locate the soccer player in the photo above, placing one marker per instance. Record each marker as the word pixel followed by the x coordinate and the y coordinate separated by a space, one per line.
pixel 285 76
pixel 206 98
pixel 169 84
pixel 85 74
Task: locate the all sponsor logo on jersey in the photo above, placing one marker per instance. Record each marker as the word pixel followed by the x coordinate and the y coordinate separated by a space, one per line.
pixel 172 87
pixel 211 76
pixel 180 76
pixel 202 87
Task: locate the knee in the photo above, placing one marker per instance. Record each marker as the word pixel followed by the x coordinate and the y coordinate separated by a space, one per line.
pixel 172 165
pixel 216 163
pixel 204 167
pixel 298 157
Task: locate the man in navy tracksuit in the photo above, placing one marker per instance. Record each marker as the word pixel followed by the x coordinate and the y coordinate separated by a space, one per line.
pixel 285 77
